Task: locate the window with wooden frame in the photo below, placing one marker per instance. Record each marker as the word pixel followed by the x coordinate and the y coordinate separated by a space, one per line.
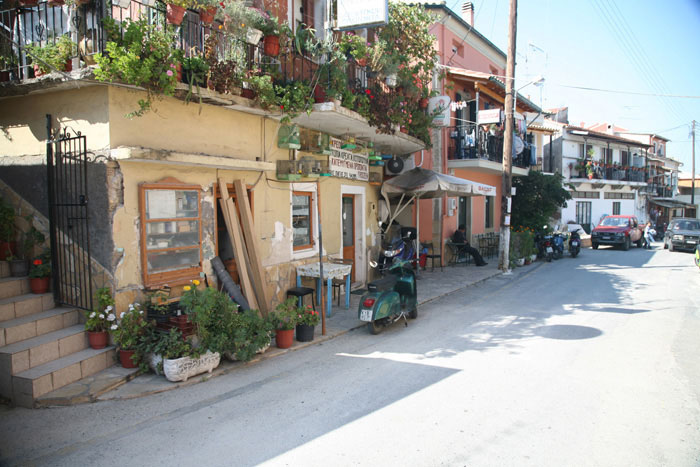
pixel 171 232
pixel 302 220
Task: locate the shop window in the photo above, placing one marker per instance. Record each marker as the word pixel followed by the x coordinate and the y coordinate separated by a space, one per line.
pixel 302 224
pixel 171 237
pixel 616 208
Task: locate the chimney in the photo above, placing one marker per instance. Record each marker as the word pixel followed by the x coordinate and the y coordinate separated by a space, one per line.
pixel 468 13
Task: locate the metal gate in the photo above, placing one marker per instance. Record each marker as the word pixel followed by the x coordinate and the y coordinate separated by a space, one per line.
pixel 66 161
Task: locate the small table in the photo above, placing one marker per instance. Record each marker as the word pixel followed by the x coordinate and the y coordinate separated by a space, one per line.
pixel 330 271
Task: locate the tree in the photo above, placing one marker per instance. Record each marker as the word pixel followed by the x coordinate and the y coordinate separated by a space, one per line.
pixel 537 198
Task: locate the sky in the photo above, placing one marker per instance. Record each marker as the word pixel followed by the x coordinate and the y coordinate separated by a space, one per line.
pixel 648 49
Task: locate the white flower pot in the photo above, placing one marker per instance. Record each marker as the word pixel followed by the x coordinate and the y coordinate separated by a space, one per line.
pixel 253 36
pixel 121 3
pixel 153 361
pixel 520 261
pixel 180 369
pixel 533 258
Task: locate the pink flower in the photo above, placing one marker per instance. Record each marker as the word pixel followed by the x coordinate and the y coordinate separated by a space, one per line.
pixel 169 72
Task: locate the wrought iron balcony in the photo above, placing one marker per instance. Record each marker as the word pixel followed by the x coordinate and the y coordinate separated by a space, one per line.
pixel 615 173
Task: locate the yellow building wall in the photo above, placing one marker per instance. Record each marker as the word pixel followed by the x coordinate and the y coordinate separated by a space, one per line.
pixel 23 119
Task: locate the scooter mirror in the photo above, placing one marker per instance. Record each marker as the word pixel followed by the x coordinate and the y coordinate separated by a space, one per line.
pixel 373 264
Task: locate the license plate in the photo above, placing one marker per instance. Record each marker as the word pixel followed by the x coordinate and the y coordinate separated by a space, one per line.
pixel 691 241
pixel 605 238
pixel 574 243
pixel 365 315
pixel 549 249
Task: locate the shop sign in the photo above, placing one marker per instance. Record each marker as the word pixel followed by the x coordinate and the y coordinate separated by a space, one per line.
pixel 347 164
pixel 356 14
pixel 439 106
pixel 489 116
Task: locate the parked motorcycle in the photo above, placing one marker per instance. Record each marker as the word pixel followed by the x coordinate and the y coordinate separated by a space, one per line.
pixel 401 248
pixel 697 256
pixel 557 245
pixel 390 298
pixel 543 241
pixel 575 243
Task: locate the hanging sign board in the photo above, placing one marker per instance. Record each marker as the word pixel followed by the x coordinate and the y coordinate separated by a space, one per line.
pixel 347 164
pixel 489 116
pixel 356 14
pixel 440 107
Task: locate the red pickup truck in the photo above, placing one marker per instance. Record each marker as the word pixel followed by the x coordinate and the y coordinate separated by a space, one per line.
pixel 617 230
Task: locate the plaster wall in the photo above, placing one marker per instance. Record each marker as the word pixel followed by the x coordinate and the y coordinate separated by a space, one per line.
pixel 23 119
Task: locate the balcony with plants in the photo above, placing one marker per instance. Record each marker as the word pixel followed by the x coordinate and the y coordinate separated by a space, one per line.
pixel 604 172
pixel 484 144
pixel 229 54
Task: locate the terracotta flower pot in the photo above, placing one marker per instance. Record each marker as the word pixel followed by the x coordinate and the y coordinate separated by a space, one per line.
pixel 361 61
pixel 125 358
pixel 97 339
pixel 423 103
pixel 248 93
pixel 271 46
pixel 319 94
pixel 39 285
pixel 28 2
pixel 284 338
pixel 206 15
pixel 174 14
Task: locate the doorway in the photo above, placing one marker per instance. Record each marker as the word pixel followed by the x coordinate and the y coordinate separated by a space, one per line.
pixel 464 216
pixel 348 228
pixel 352 226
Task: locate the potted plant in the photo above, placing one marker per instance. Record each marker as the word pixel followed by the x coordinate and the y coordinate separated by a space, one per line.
pixel 207 10
pixel 212 313
pixel 39 274
pixel 355 47
pixel 284 320
pixel 249 334
pixel 100 319
pixel 272 31
pixel 194 73
pixel 263 91
pixel 158 308
pixel 52 57
pixel 144 56
pixel 127 331
pixel 307 319
pixel 175 11
pixel 181 359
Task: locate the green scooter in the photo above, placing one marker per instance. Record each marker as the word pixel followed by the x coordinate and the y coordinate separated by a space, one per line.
pixel 390 298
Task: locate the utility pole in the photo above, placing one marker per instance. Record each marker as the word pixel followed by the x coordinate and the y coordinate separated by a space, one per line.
pixel 692 190
pixel 504 254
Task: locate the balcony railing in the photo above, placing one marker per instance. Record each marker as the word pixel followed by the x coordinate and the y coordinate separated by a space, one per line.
pixel 472 142
pixel 44 23
pixel 622 174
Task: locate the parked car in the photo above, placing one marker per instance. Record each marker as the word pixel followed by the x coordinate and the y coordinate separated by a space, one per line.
pixel 617 230
pixel 682 234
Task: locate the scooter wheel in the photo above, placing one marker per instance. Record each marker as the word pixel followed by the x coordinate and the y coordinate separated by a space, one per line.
pixel 549 257
pixel 374 328
pixel 413 314
pixel 574 253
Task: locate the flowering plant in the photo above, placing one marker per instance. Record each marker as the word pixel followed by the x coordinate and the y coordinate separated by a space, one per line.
pixel 307 315
pixel 129 327
pixel 40 268
pixel 285 315
pixel 103 316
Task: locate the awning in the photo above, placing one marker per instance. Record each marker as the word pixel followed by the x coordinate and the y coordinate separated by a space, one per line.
pixel 671 203
pixel 425 183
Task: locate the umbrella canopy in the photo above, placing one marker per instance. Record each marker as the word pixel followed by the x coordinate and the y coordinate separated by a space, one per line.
pixel 424 183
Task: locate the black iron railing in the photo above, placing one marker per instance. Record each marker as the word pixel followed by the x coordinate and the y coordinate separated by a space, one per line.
pixel 619 173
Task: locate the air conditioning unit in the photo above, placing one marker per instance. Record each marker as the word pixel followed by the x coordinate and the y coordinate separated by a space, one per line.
pixel 398 165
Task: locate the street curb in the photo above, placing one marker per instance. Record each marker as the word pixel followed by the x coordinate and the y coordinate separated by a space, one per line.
pixel 227 366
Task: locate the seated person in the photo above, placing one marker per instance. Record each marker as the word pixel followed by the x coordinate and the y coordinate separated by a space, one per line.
pixel 460 238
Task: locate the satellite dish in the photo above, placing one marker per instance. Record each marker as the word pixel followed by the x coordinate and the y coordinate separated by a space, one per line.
pixel 395 165
pixel 518 144
pixel 382 211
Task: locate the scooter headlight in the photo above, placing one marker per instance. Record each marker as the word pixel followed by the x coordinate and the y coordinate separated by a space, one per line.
pixel 391 253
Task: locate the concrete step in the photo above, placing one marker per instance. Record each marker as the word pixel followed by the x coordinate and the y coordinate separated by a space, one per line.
pixel 12 286
pixel 28 385
pixel 36 324
pixel 88 389
pixel 25 304
pixel 38 350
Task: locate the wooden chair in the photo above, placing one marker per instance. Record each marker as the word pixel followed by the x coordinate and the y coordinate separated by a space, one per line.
pixel 431 255
pixel 338 283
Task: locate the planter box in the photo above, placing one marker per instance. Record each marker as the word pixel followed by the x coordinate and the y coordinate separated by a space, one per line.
pixel 180 369
pixel 232 357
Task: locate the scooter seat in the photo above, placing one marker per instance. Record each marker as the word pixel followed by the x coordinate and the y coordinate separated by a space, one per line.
pixel 383 284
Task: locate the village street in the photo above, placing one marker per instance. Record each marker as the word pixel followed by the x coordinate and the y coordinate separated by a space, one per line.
pixel 586 361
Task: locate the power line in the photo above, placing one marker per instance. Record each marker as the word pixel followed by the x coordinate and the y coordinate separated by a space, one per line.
pixel 651 94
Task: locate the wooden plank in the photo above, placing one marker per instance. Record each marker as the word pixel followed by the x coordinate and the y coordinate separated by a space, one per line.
pixel 257 270
pixel 239 250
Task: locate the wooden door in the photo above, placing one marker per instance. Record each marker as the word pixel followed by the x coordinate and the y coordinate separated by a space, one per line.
pixel 348 227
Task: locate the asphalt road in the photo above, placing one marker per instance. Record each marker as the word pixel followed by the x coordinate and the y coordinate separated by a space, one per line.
pixel 580 362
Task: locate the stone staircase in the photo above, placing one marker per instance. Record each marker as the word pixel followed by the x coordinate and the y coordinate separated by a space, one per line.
pixel 42 347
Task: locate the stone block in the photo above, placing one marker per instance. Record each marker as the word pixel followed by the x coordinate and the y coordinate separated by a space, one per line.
pixel 28 306
pixel 10 288
pixel 46 325
pixel 72 344
pixel 43 353
pixel 19 333
pixel 19 362
pixel 47 302
pixel 24 390
pixel 7 311
pixel 67 375
pixel 94 364
pixel 71 318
